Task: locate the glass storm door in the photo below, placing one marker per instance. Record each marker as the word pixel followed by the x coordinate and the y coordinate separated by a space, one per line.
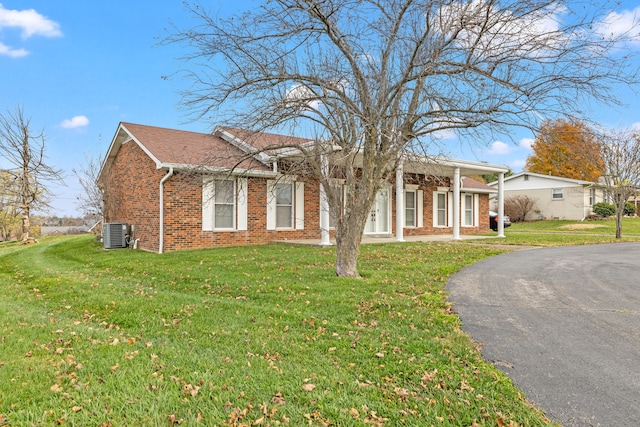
pixel 378 220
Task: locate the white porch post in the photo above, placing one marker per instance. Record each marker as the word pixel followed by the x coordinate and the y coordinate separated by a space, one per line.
pixel 456 204
pixel 501 204
pixel 324 204
pixel 400 202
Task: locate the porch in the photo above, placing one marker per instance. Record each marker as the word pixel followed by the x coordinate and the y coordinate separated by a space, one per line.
pixel 367 240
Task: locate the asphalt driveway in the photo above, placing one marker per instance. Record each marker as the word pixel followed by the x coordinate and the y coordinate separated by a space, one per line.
pixel 564 324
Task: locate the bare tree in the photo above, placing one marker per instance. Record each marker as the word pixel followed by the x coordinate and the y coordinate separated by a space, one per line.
pixel 620 151
pixel 25 151
pixel 91 201
pixel 9 217
pixel 518 207
pixel 381 78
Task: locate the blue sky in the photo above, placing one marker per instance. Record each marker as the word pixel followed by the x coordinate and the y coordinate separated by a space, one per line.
pixel 79 68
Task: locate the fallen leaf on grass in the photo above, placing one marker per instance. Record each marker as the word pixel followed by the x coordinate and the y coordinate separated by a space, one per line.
pixel 174 420
pixel 56 388
pixel 309 387
pixel 277 399
pixel 76 408
pixel 354 413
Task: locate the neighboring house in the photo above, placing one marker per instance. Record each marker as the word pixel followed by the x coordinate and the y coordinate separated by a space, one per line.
pixel 186 190
pixel 555 197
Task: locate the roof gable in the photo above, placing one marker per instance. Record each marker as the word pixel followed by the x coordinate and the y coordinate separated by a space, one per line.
pixel 181 149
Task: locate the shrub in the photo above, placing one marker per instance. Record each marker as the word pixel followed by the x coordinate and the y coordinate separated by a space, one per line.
pixel 630 209
pixel 604 209
pixel 517 207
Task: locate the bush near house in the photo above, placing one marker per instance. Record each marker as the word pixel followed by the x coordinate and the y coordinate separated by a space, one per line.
pixel 607 209
pixel 604 209
pixel 630 209
pixel 518 207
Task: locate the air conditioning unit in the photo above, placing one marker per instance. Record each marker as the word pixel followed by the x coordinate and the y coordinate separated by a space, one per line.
pixel 114 235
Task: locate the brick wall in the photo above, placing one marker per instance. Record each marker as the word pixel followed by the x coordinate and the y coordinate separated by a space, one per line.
pixel 133 197
pixel 132 194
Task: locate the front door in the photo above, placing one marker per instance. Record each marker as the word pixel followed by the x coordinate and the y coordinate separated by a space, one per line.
pixel 378 220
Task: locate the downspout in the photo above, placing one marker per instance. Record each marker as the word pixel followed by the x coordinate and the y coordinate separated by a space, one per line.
pixel 587 207
pixel 162 181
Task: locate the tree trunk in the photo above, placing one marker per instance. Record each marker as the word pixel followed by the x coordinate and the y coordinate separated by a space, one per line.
pixel 348 248
pixel 619 223
pixel 348 239
pixel 26 185
pixel 26 224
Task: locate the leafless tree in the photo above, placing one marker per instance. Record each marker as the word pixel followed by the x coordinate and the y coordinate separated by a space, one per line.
pixel 518 207
pixel 91 201
pixel 25 152
pixel 383 78
pixel 620 152
pixel 9 217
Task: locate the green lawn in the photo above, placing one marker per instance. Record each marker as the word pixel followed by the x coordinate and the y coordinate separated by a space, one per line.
pixel 565 232
pixel 241 336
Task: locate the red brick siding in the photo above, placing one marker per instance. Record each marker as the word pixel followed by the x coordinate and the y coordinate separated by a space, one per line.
pixel 132 187
pixel 133 197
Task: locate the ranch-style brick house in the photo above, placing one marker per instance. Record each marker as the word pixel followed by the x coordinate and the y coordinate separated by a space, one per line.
pixel 240 197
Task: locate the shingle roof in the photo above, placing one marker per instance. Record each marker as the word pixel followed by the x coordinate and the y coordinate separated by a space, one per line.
pixel 472 184
pixel 179 147
pixel 264 140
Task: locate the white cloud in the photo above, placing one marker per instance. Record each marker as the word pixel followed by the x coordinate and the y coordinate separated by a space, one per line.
pixel 635 126
pixel 30 22
pixel 623 24
pixel 499 148
pixel 14 53
pixel 526 143
pixel 75 122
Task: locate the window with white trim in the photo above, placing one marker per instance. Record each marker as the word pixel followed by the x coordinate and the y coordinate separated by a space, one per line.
pixel 440 210
pixel 557 194
pixel 284 205
pixel 224 204
pixel 468 210
pixel 410 208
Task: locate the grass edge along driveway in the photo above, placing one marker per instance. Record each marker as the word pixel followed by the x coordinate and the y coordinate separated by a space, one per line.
pixel 241 336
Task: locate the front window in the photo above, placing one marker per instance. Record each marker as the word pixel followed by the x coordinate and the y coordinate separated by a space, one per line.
pixel 284 205
pixel 224 202
pixel 441 207
pixel 557 194
pixel 410 209
pixel 592 196
pixel 468 209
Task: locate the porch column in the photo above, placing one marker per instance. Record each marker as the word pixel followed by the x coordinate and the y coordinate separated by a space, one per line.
pixel 324 203
pixel 501 204
pixel 400 202
pixel 456 204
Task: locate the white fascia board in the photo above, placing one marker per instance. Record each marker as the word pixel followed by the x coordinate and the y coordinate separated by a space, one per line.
pixel 478 190
pixel 549 177
pixel 244 146
pixel 219 170
pixel 467 164
pixel 141 145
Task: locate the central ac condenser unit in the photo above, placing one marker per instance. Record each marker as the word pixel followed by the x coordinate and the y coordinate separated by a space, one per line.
pixel 114 235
